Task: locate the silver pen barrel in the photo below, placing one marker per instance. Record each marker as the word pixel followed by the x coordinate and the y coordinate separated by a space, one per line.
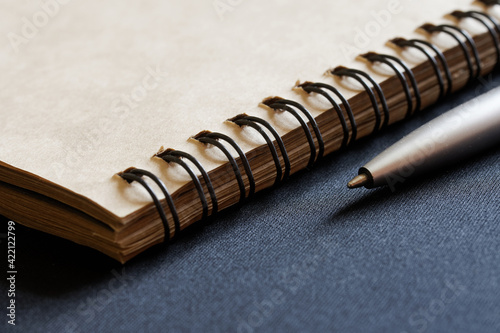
pixel 455 135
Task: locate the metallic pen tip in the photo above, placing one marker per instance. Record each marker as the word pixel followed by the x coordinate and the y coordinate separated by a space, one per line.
pixel 358 181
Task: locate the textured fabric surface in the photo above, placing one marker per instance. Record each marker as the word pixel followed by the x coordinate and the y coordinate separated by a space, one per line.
pixel 308 256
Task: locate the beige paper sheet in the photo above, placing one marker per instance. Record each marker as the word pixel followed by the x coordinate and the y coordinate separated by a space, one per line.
pixel 90 88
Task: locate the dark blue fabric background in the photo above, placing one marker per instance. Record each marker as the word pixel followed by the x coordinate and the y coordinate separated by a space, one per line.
pixel 308 256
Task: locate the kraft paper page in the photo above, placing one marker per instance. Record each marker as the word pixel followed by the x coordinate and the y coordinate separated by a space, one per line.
pixel 91 88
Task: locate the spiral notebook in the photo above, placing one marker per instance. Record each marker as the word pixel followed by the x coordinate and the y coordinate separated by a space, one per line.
pixel 124 123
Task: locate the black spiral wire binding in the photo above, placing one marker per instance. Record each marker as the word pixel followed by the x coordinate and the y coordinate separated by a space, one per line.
pixel 358 75
pixel 213 138
pixel 318 87
pixel 489 3
pixel 279 140
pixel 482 18
pixel 171 156
pixel 255 122
pixel 277 103
pixel 204 173
pixel 373 57
pixel 403 43
pixel 133 174
pixel 451 31
pixel 342 71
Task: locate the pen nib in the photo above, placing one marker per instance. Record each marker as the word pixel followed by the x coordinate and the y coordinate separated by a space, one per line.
pixel 358 181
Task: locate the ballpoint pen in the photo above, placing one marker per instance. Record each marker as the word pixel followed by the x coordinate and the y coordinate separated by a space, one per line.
pixel 455 135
